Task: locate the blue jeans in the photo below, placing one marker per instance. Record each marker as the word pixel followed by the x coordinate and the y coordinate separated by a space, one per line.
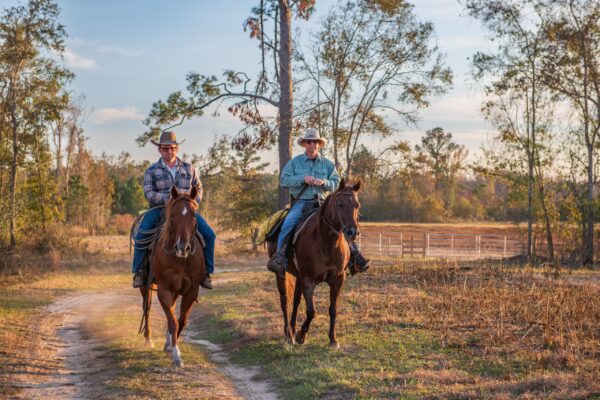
pixel 290 222
pixel 150 221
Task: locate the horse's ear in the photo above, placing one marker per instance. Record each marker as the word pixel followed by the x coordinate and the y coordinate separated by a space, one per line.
pixel 174 193
pixel 357 186
pixel 342 184
pixel 194 192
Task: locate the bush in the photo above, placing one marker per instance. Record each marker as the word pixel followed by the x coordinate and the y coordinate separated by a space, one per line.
pixel 120 224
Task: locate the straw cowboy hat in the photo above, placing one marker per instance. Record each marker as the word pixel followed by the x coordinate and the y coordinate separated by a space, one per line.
pixel 167 138
pixel 312 134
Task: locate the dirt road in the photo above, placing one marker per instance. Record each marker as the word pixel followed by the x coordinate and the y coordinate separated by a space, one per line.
pixel 71 356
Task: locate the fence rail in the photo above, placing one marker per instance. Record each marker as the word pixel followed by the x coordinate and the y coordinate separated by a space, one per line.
pixel 442 245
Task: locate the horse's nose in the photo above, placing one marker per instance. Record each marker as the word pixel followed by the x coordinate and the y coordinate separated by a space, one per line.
pixel 188 248
pixel 351 233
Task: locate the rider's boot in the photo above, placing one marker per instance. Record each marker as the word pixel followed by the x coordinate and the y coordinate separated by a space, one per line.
pixel 206 282
pixel 138 279
pixel 277 263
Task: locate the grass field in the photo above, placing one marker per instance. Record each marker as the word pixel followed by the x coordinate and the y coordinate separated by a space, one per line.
pixel 415 330
pixel 423 331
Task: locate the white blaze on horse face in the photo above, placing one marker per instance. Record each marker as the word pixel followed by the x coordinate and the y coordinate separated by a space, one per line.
pixel 184 211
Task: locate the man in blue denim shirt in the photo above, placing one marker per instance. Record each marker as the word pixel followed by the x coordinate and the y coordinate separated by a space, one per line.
pixel 320 177
pixel 170 171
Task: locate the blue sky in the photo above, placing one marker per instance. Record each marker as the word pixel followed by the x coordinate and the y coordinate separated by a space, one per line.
pixel 129 53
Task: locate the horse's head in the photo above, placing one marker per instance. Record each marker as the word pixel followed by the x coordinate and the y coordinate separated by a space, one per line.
pixel 180 224
pixel 342 209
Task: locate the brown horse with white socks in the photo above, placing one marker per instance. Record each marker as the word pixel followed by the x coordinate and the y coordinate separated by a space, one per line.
pixel 320 254
pixel 178 267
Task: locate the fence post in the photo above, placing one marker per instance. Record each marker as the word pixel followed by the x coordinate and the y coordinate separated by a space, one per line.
pixel 451 245
pixel 477 245
pixel 504 252
pixel 401 246
pixel 359 240
pixel 389 246
pixel 425 244
pixel 412 246
pixel 380 244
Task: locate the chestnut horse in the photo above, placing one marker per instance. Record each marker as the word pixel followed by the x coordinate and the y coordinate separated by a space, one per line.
pixel 177 263
pixel 320 254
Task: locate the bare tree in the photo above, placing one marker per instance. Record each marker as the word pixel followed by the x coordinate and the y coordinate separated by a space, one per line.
pixel 370 59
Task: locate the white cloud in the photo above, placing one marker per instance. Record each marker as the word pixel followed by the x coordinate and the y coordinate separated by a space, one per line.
pixel 122 51
pixel 74 60
pixel 116 114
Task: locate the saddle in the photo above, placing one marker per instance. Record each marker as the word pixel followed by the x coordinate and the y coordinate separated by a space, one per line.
pixel 308 212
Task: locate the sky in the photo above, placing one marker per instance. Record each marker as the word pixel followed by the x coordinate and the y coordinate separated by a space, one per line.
pixel 127 54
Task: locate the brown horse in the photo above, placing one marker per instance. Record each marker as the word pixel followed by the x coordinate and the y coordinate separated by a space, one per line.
pixel 178 267
pixel 321 254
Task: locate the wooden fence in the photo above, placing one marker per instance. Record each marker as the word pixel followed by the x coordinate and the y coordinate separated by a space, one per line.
pixel 442 245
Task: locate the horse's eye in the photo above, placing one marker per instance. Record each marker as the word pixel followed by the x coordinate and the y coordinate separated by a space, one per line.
pixel 340 205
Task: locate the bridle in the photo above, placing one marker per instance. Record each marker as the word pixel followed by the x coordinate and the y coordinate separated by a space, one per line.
pixel 192 201
pixel 337 213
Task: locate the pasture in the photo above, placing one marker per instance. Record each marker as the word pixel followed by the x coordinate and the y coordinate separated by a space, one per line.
pixel 409 330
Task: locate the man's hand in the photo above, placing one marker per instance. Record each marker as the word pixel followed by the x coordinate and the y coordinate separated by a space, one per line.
pixel 309 180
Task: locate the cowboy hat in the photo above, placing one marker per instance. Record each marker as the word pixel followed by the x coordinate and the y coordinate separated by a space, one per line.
pixel 167 138
pixel 312 134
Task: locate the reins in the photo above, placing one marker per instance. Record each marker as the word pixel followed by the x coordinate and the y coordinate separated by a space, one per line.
pixel 330 225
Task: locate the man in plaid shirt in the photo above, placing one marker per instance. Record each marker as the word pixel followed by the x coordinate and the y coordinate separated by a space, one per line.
pixel 170 171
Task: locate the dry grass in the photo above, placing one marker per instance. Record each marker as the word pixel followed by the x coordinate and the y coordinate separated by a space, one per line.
pixel 426 331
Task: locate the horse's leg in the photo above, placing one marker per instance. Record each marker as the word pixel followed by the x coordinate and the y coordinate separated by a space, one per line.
pixel 144 292
pixel 167 301
pixel 297 297
pixel 186 306
pixel 335 289
pixel 283 301
pixel 308 289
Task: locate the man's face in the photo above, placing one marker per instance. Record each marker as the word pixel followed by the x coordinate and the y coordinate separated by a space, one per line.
pixel 312 147
pixel 168 152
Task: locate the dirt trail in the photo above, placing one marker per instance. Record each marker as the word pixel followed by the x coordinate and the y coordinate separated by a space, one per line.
pixel 69 363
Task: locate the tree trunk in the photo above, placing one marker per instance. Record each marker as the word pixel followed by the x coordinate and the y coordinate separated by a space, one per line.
pixel 13 176
pixel 530 209
pixel 286 93
pixel 588 256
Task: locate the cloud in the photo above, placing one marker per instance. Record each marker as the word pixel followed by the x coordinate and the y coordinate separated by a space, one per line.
pixel 116 114
pixel 122 51
pixel 74 60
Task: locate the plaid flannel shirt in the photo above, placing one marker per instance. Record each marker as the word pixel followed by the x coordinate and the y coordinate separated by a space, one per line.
pixel 297 168
pixel 158 182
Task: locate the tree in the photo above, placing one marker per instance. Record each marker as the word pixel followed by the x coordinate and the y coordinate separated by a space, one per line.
pixel 368 60
pixel 29 80
pixel 444 158
pixel 273 87
pixel 572 69
pixel 518 103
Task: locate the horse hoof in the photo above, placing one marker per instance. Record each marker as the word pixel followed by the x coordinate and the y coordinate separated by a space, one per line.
pixel 177 364
pixel 299 338
pixel 334 345
pixel 290 339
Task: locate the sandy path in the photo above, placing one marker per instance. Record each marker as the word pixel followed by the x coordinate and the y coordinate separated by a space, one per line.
pixel 67 363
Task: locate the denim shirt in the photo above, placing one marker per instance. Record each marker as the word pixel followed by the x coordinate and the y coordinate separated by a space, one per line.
pixel 297 168
pixel 158 182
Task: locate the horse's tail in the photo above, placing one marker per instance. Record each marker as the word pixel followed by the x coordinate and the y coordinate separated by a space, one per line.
pixel 290 287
